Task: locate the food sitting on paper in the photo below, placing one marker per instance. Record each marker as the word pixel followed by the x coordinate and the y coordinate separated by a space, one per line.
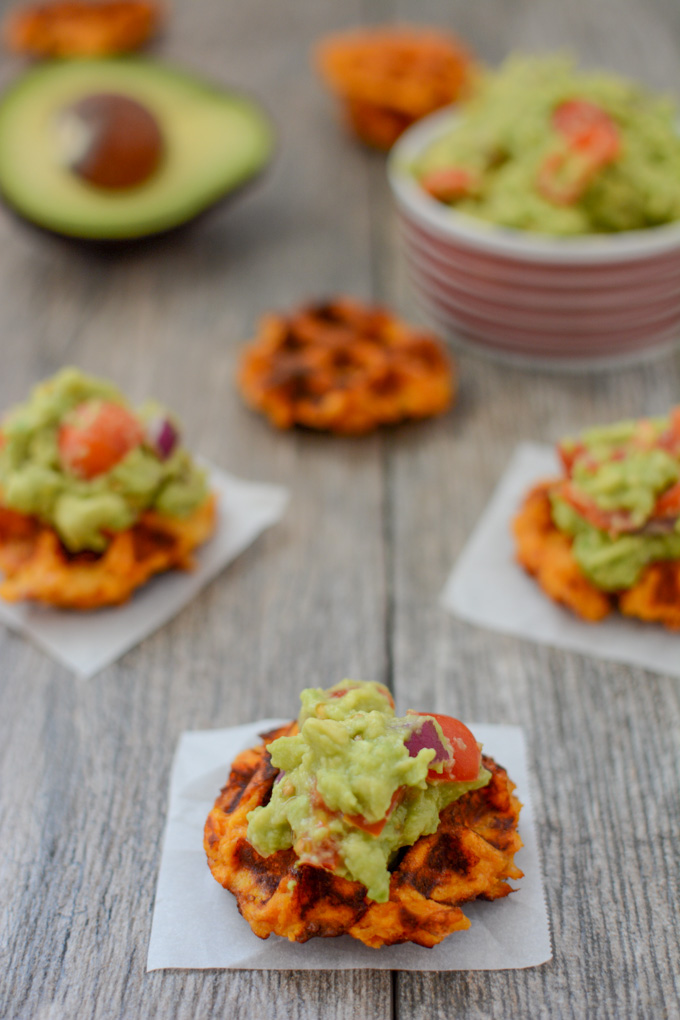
pixel 355 821
pixel 606 535
pixel 95 496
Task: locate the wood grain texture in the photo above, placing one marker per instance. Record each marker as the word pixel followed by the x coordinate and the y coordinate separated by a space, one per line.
pixel 347 585
pixel 84 768
pixel 604 739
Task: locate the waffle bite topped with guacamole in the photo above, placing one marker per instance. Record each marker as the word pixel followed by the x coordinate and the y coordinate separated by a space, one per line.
pixel 95 497
pixel 355 821
pixel 607 534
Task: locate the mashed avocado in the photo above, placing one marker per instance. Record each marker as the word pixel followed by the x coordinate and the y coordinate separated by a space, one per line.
pixel 34 480
pixel 526 173
pixel 350 793
pixel 611 505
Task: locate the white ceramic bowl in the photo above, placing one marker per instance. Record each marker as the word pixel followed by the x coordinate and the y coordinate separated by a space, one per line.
pixel 565 302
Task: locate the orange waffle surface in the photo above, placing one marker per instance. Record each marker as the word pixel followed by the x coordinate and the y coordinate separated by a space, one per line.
pixel 470 856
pixel 78 28
pixel 388 77
pixel 344 367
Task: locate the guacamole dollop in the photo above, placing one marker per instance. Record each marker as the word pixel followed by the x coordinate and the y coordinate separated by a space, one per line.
pixel 621 499
pixel 38 481
pixel 544 147
pixel 350 792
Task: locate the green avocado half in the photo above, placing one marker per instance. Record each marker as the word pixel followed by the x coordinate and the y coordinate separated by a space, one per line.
pixel 213 141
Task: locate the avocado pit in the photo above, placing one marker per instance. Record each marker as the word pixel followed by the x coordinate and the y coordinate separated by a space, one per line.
pixel 68 166
pixel 110 141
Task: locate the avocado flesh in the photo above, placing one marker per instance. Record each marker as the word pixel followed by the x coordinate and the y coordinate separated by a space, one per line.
pixel 215 140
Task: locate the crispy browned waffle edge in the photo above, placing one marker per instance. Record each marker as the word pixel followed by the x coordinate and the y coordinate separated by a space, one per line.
pixel 469 857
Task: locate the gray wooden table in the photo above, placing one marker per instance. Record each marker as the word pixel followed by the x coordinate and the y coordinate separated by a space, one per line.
pixel 347 585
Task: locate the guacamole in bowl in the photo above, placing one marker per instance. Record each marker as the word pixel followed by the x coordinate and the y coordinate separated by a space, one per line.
pixel 555 237
pixel 544 147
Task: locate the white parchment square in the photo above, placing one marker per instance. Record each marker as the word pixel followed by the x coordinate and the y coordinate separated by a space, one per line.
pixel 196 922
pixel 88 641
pixel 489 588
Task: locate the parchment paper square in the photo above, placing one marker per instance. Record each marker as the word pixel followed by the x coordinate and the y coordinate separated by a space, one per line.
pixel 487 587
pixel 88 641
pixel 196 922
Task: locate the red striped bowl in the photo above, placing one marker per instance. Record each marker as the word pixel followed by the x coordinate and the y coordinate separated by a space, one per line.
pixel 565 302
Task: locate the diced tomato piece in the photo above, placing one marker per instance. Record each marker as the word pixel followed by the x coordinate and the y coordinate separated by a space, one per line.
pixel 555 186
pixel 466 755
pixel 345 690
pixel 317 801
pixel 575 118
pixel 675 422
pixel 322 854
pixel 645 436
pixel 615 522
pixel 589 129
pixel 593 142
pixel 668 504
pixel 389 698
pixel 449 183
pixel 570 455
pixel 600 145
pixel 670 439
pixel 375 828
pixel 565 175
pixel 95 436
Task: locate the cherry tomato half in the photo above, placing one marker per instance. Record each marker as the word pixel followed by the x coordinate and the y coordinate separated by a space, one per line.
pixel 95 436
pixel 448 184
pixel 593 142
pixel 577 118
pixel 466 755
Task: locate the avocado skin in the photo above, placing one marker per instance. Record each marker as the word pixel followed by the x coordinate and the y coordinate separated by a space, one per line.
pixel 114 246
pixel 95 237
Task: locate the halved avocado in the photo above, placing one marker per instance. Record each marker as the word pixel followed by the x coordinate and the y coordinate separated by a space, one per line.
pixel 213 141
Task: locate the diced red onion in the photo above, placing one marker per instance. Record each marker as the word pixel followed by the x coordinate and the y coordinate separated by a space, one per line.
pixel 279 777
pixel 162 437
pixel 659 526
pixel 425 735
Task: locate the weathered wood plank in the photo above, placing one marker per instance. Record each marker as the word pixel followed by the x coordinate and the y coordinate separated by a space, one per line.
pixel 603 738
pixel 84 768
pixel 348 584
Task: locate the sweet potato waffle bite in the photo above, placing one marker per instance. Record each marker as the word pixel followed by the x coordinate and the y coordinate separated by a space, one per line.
pixel 607 535
pixel 38 566
pixel 94 498
pixel 82 28
pixel 546 553
pixel 390 77
pixel 307 890
pixel 344 367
